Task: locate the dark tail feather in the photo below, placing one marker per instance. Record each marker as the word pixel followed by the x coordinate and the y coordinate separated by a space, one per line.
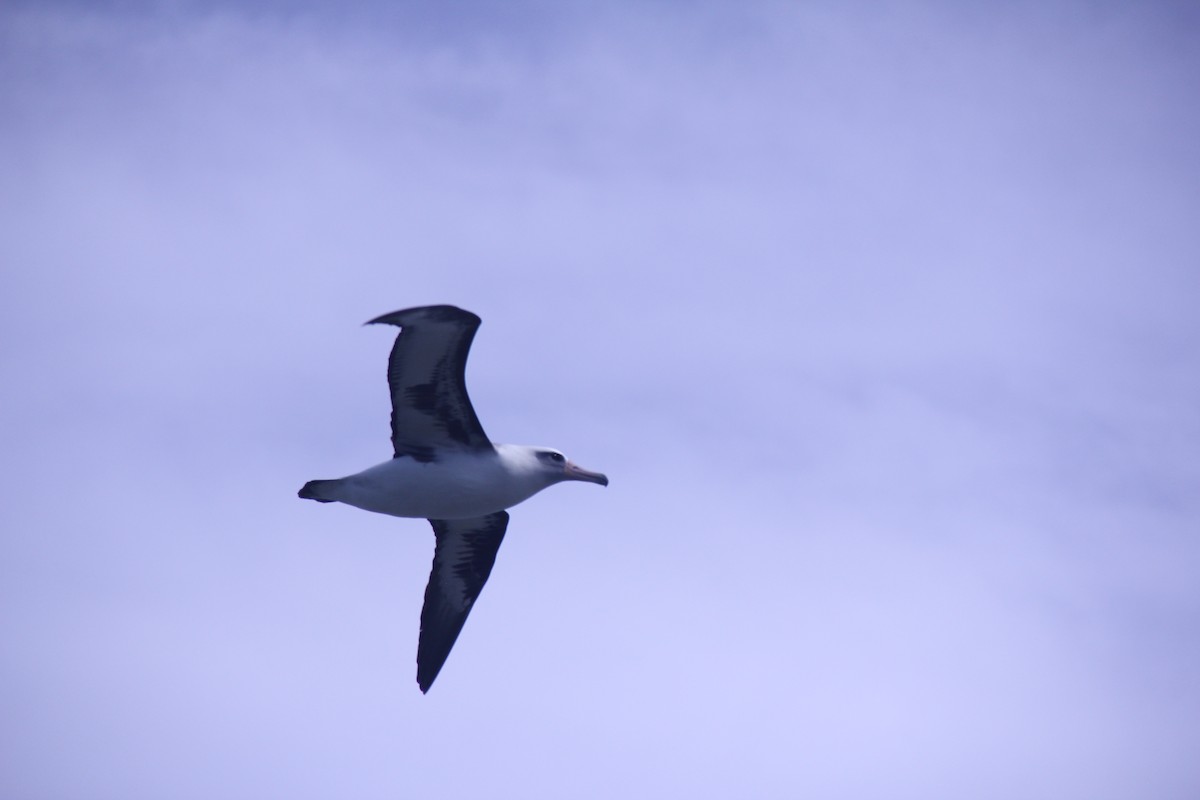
pixel 314 490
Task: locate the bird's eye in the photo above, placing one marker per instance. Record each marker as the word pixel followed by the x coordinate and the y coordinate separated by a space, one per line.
pixel 557 458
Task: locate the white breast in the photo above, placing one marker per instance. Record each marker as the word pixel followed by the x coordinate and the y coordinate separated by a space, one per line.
pixel 455 486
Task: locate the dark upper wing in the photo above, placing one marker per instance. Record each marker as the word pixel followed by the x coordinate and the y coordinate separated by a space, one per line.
pixel 430 407
pixel 462 560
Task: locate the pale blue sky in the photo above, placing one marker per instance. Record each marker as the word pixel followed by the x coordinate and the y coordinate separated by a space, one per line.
pixel 882 322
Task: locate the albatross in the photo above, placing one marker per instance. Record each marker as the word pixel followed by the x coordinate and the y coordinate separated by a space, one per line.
pixel 446 470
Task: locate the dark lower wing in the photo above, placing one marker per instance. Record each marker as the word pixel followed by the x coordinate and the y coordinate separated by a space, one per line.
pixel 462 561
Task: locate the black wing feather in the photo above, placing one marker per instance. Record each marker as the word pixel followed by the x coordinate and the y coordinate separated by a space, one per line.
pixel 462 561
pixel 427 377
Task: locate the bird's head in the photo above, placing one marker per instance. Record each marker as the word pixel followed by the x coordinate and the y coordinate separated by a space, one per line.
pixel 558 467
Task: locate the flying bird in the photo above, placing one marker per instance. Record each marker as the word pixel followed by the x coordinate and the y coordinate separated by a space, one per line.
pixel 446 470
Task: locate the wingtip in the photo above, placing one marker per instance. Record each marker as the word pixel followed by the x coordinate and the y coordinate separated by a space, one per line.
pixel 384 318
pixel 424 679
pixel 440 313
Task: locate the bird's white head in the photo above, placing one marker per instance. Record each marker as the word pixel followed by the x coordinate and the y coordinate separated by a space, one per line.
pixel 548 465
pixel 561 468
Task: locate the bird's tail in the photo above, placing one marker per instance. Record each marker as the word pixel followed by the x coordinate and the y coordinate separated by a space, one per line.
pixel 317 490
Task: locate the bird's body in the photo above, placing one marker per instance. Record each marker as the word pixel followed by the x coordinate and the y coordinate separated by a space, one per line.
pixel 446 470
pixel 457 486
